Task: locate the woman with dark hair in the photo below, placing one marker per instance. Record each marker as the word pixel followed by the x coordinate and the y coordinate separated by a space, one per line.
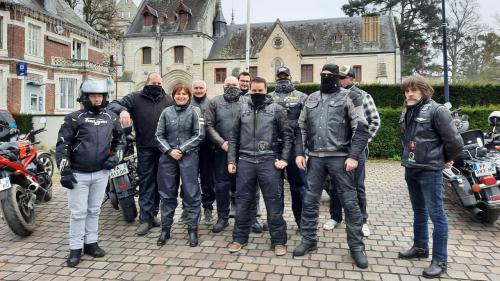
pixel 179 133
pixel 430 142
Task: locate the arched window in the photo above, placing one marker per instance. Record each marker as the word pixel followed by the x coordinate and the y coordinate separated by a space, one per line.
pixel 146 55
pixel 277 64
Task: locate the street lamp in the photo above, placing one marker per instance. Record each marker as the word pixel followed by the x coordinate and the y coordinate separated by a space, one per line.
pixel 445 54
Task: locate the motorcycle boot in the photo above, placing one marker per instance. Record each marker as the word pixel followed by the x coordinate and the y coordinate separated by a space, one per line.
pixel 164 236
pixel 94 250
pixel 193 237
pixel 414 253
pixel 360 259
pixel 303 248
pixel 220 225
pixel 435 269
pixel 74 258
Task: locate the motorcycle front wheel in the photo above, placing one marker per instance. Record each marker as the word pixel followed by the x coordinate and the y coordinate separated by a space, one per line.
pixel 19 217
pixel 129 210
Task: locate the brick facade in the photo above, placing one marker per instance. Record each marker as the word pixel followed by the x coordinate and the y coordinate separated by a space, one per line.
pixel 54 66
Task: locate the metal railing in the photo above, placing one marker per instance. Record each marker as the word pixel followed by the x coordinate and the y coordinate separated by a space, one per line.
pixel 80 64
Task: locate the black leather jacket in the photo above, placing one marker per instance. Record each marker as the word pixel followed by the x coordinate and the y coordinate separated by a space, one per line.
pixel 428 136
pixel 180 128
pixel 333 125
pixel 87 138
pixel 258 131
pixel 221 117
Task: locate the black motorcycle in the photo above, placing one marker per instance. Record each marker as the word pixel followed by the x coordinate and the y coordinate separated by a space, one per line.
pixel 124 180
pixel 473 181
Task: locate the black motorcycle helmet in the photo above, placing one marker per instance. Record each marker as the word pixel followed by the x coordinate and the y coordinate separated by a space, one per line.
pixel 89 87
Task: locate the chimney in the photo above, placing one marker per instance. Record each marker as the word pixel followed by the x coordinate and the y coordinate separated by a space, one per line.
pixel 371 28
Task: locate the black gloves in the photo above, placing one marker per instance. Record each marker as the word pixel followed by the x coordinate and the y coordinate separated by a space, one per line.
pixel 68 179
pixel 112 162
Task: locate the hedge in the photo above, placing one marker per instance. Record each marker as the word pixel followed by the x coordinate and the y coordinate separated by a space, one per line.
pixel 387 144
pixel 390 95
pixel 24 121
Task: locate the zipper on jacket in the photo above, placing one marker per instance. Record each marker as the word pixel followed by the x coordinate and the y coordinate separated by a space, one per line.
pixel 254 130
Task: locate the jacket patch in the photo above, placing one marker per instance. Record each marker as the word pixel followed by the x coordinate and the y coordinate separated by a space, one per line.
pixel 95 121
pixel 263 146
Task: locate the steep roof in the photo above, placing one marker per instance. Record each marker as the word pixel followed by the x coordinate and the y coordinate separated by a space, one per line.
pixel 310 37
pixel 168 8
pixel 64 13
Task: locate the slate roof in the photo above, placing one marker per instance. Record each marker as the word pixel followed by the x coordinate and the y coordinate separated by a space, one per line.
pixel 168 8
pixel 310 37
pixel 64 13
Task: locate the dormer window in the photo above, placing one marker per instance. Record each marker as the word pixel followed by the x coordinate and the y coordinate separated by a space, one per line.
pixel 148 20
pixel 182 15
pixel 311 38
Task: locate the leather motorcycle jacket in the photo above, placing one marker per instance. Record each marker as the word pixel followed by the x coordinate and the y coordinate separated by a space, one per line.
pixel 87 139
pixel 221 117
pixel 332 125
pixel 428 136
pixel 180 128
pixel 292 102
pixel 257 133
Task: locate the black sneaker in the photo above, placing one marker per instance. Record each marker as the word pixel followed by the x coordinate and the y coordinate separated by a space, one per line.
pixel 303 248
pixel 94 250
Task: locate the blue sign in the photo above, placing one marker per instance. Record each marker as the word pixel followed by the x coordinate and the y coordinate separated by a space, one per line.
pixel 22 68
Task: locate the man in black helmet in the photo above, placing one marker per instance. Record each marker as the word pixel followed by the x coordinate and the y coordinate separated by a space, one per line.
pixel 88 147
pixel 144 109
pixel 334 132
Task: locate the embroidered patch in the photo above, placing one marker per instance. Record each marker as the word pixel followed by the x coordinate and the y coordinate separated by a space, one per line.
pixel 263 146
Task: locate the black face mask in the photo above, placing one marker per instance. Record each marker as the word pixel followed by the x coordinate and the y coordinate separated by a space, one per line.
pixel 329 85
pixel 153 90
pixel 258 99
pixel 231 94
pixel 284 86
pixel 199 99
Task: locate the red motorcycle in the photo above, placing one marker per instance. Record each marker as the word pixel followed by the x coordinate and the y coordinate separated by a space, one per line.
pixel 25 179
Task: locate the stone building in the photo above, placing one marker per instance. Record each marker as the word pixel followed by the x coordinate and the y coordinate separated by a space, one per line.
pixel 46 51
pixel 190 39
pixel 125 12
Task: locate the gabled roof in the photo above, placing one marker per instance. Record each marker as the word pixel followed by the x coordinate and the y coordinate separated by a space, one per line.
pixel 309 37
pixel 196 9
pixel 64 13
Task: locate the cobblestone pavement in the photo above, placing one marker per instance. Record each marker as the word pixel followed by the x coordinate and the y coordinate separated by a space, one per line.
pixel 474 249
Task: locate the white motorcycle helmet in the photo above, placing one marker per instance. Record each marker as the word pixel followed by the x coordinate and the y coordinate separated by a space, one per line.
pixel 494 119
pixel 93 87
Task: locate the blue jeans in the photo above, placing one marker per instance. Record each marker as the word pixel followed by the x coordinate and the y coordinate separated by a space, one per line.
pixel 426 195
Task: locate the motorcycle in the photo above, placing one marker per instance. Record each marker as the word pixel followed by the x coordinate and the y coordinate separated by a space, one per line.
pixel 473 181
pixel 25 179
pixel 124 180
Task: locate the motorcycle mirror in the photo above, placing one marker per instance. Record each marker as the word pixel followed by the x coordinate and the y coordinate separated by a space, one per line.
pixel 43 120
pixel 447 105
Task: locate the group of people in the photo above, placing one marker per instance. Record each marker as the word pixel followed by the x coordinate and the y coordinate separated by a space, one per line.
pixel 233 147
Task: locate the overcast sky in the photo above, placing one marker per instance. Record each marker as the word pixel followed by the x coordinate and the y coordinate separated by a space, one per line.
pixel 286 10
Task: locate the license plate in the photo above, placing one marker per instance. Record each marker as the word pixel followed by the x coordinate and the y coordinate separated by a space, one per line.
pixel 119 170
pixel 484 169
pixel 5 183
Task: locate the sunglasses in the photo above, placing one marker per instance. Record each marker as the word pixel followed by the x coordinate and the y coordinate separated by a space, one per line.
pixel 326 75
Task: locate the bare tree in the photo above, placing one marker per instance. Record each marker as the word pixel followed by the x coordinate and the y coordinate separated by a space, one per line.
pixel 99 14
pixel 463 30
pixel 72 3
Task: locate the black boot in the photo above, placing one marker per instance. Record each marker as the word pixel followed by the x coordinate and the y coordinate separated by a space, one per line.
pixel 93 250
pixel 256 227
pixel 435 270
pixel 74 257
pixel 360 259
pixel 232 207
pixel 303 248
pixel 413 253
pixel 164 236
pixel 220 225
pixel 193 237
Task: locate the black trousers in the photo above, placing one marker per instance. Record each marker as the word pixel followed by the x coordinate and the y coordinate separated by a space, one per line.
pixel 224 184
pixel 168 172
pixel 147 168
pixel 359 177
pixel 317 170
pixel 206 168
pixel 269 179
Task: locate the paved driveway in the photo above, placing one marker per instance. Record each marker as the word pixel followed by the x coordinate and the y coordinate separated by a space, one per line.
pixel 474 249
